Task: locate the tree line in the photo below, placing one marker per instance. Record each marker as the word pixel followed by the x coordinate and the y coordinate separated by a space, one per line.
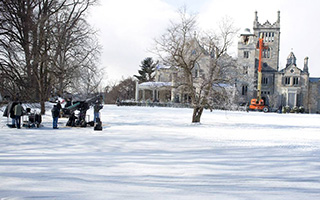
pixel 47 48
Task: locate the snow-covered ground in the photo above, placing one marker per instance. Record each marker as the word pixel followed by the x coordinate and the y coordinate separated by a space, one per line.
pixel 157 153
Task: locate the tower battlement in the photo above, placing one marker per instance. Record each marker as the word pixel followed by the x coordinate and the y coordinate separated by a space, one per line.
pixel 267 24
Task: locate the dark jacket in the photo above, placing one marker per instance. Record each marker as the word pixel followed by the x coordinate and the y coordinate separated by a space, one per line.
pixel 59 106
pixel 11 108
pixel 55 112
pixel 97 108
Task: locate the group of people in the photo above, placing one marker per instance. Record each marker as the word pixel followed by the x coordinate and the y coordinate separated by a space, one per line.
pixel 15 110
pixel 56 113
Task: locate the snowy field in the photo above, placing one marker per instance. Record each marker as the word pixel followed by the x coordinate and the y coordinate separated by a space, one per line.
pixel 157 153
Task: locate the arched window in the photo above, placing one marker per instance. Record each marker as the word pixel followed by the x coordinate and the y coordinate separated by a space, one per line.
pixel 266 53
pixel 196 70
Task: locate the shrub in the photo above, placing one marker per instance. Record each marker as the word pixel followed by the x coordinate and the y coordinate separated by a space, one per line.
pixel 295 109
pixel 301 109
pixel 286 109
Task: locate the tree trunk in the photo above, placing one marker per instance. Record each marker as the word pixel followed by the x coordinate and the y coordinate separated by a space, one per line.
pixel 197 112
pixel 43 108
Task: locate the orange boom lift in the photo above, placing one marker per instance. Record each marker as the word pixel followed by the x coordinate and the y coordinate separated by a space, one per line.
pixel 258 103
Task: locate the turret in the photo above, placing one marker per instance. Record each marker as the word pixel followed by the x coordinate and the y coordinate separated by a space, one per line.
pixel 291 59
pixel 246 36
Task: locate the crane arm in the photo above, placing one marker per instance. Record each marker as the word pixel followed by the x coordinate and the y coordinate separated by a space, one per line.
pixel 260 68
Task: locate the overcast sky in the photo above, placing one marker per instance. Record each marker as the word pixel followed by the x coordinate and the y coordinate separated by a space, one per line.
pixel 127 28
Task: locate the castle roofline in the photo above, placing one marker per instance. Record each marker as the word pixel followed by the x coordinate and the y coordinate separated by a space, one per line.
pixel 246 32
pixel 267 24
pixel 291 55
pixel 314 80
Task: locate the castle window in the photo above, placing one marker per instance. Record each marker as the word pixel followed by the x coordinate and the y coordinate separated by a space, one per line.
pixel 246 54
pixel 246 39
pixel 272 35
pixel 295 80
pixel 287 80
pixel 244 90
pixel 196 70
pixel 245 69
pixel 266 53
pixel 265 80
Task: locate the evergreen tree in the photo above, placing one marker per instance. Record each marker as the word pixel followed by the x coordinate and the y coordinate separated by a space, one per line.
pixel 148 67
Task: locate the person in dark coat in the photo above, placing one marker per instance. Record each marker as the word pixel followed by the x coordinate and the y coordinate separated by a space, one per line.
pixel 12 116
pixel 96 111
pixel 18 111
pixel 59 107
pixel 55 116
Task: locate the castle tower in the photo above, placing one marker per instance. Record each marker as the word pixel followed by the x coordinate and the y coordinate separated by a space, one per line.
pixel 248 59
pixel 271 35
pixel 270 55
pixel 246 65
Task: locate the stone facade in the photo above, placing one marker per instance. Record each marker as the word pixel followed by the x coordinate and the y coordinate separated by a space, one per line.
pixel 314 95
pixel 290 86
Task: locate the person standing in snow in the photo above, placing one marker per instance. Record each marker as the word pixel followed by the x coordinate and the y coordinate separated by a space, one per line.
pixel 59 107
pixel 55 116
pixel 96 108
pixel 11 112
pixel 18 110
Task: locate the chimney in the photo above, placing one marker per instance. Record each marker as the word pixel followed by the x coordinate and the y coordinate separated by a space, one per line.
pixel 256 16
pixel 255 22
pixel 305 67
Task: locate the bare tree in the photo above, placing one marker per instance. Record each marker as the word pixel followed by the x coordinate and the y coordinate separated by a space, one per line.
pixel 124 90
pixel 39 39
pixel 202 61
pixel 76 51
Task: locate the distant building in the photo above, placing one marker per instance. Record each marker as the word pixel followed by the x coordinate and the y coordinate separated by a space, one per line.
pixel 290 86
pixel 169 85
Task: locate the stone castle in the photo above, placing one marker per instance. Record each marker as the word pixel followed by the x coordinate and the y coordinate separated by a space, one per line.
pixel 290 86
